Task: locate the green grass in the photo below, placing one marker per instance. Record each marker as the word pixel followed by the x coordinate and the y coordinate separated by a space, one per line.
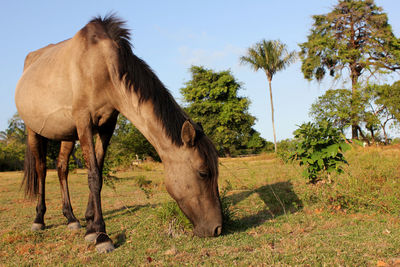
pixel 274 217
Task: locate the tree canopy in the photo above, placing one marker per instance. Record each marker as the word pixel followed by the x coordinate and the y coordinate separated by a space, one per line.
pixel 212 99
pixel 389 97
pixel 12 145
pixel 333 106
pixel 355 36
pixel 378 108
pixel 386 105
pixel 270 56
pixel 128 143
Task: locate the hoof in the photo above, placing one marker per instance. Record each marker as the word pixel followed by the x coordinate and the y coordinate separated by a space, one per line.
pixel 37 227
pixel 74 226
pixel 91 237
pixel 105 247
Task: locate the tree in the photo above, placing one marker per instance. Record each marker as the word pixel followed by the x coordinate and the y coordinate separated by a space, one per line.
pixel 270 56
pixel 15 130
pixel 376 109
pixel 386 104
pixel 212 100
pixel 389 96
pixel 14 142
pixel 11 155
pixel 355 36
pixel 128 143
pixel 333 106
pixel 12 145
pixel 336 106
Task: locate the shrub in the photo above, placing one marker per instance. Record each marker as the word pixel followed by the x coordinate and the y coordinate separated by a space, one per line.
pixel 286 148
pixel 12 156
pixel 320 149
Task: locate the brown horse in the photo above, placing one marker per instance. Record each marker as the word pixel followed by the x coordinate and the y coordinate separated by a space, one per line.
pixel 74 90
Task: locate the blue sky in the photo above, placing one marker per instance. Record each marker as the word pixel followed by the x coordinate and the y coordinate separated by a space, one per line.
pixel 173 35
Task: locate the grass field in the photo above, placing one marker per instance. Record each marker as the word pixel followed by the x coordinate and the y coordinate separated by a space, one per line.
pixel 275 217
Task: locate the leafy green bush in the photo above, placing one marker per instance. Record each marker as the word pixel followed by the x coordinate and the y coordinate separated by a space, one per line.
pixel 286 148
pixel 11 156
pixel 320 149
pixel 128 145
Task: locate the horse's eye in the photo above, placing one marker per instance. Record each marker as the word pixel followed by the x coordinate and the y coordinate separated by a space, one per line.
pixel 203 174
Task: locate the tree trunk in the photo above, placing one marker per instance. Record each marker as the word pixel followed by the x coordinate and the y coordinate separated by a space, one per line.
pixel 363 135
pixel 272 113
pixel 384 133
pixel 386 138
pixel 372 134
pixel 355 72
pixel 354 83
pixel 227 152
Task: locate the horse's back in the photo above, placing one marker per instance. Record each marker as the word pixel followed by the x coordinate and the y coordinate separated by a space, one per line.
pixel 34 55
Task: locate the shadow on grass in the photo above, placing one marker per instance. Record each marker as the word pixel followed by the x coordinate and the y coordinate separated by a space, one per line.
pixel 119 239
pixel 110 214
pixel 279 199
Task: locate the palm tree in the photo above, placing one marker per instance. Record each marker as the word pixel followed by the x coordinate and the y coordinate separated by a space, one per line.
pixel 270 56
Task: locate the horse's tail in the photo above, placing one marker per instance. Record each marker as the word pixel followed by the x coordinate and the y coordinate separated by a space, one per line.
pixel 30 181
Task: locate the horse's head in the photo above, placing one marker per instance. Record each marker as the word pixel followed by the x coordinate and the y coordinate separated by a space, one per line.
pixel 191 179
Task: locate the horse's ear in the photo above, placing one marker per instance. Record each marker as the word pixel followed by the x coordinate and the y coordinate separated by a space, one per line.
pixel 188 133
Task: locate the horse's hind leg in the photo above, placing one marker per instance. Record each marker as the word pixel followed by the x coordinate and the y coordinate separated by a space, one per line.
pixel 36 164
pixel 62 169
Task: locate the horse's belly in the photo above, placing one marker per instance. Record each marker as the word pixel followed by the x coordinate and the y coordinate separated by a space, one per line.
pixel 45 105
pixel 57 124
pixel 47 117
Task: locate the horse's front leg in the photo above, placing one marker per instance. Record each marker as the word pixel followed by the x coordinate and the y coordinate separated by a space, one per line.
pixel 96 225
pixel 102 141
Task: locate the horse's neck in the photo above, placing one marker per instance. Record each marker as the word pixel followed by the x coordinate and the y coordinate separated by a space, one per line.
pixel 142 116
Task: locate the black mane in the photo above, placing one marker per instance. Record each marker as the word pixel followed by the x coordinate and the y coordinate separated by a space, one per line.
pixel 140 78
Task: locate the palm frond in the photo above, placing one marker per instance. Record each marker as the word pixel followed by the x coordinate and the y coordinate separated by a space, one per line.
pixel 270 56
pixel 251 59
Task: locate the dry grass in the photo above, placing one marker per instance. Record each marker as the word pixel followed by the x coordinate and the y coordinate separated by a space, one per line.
pixel 277 218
